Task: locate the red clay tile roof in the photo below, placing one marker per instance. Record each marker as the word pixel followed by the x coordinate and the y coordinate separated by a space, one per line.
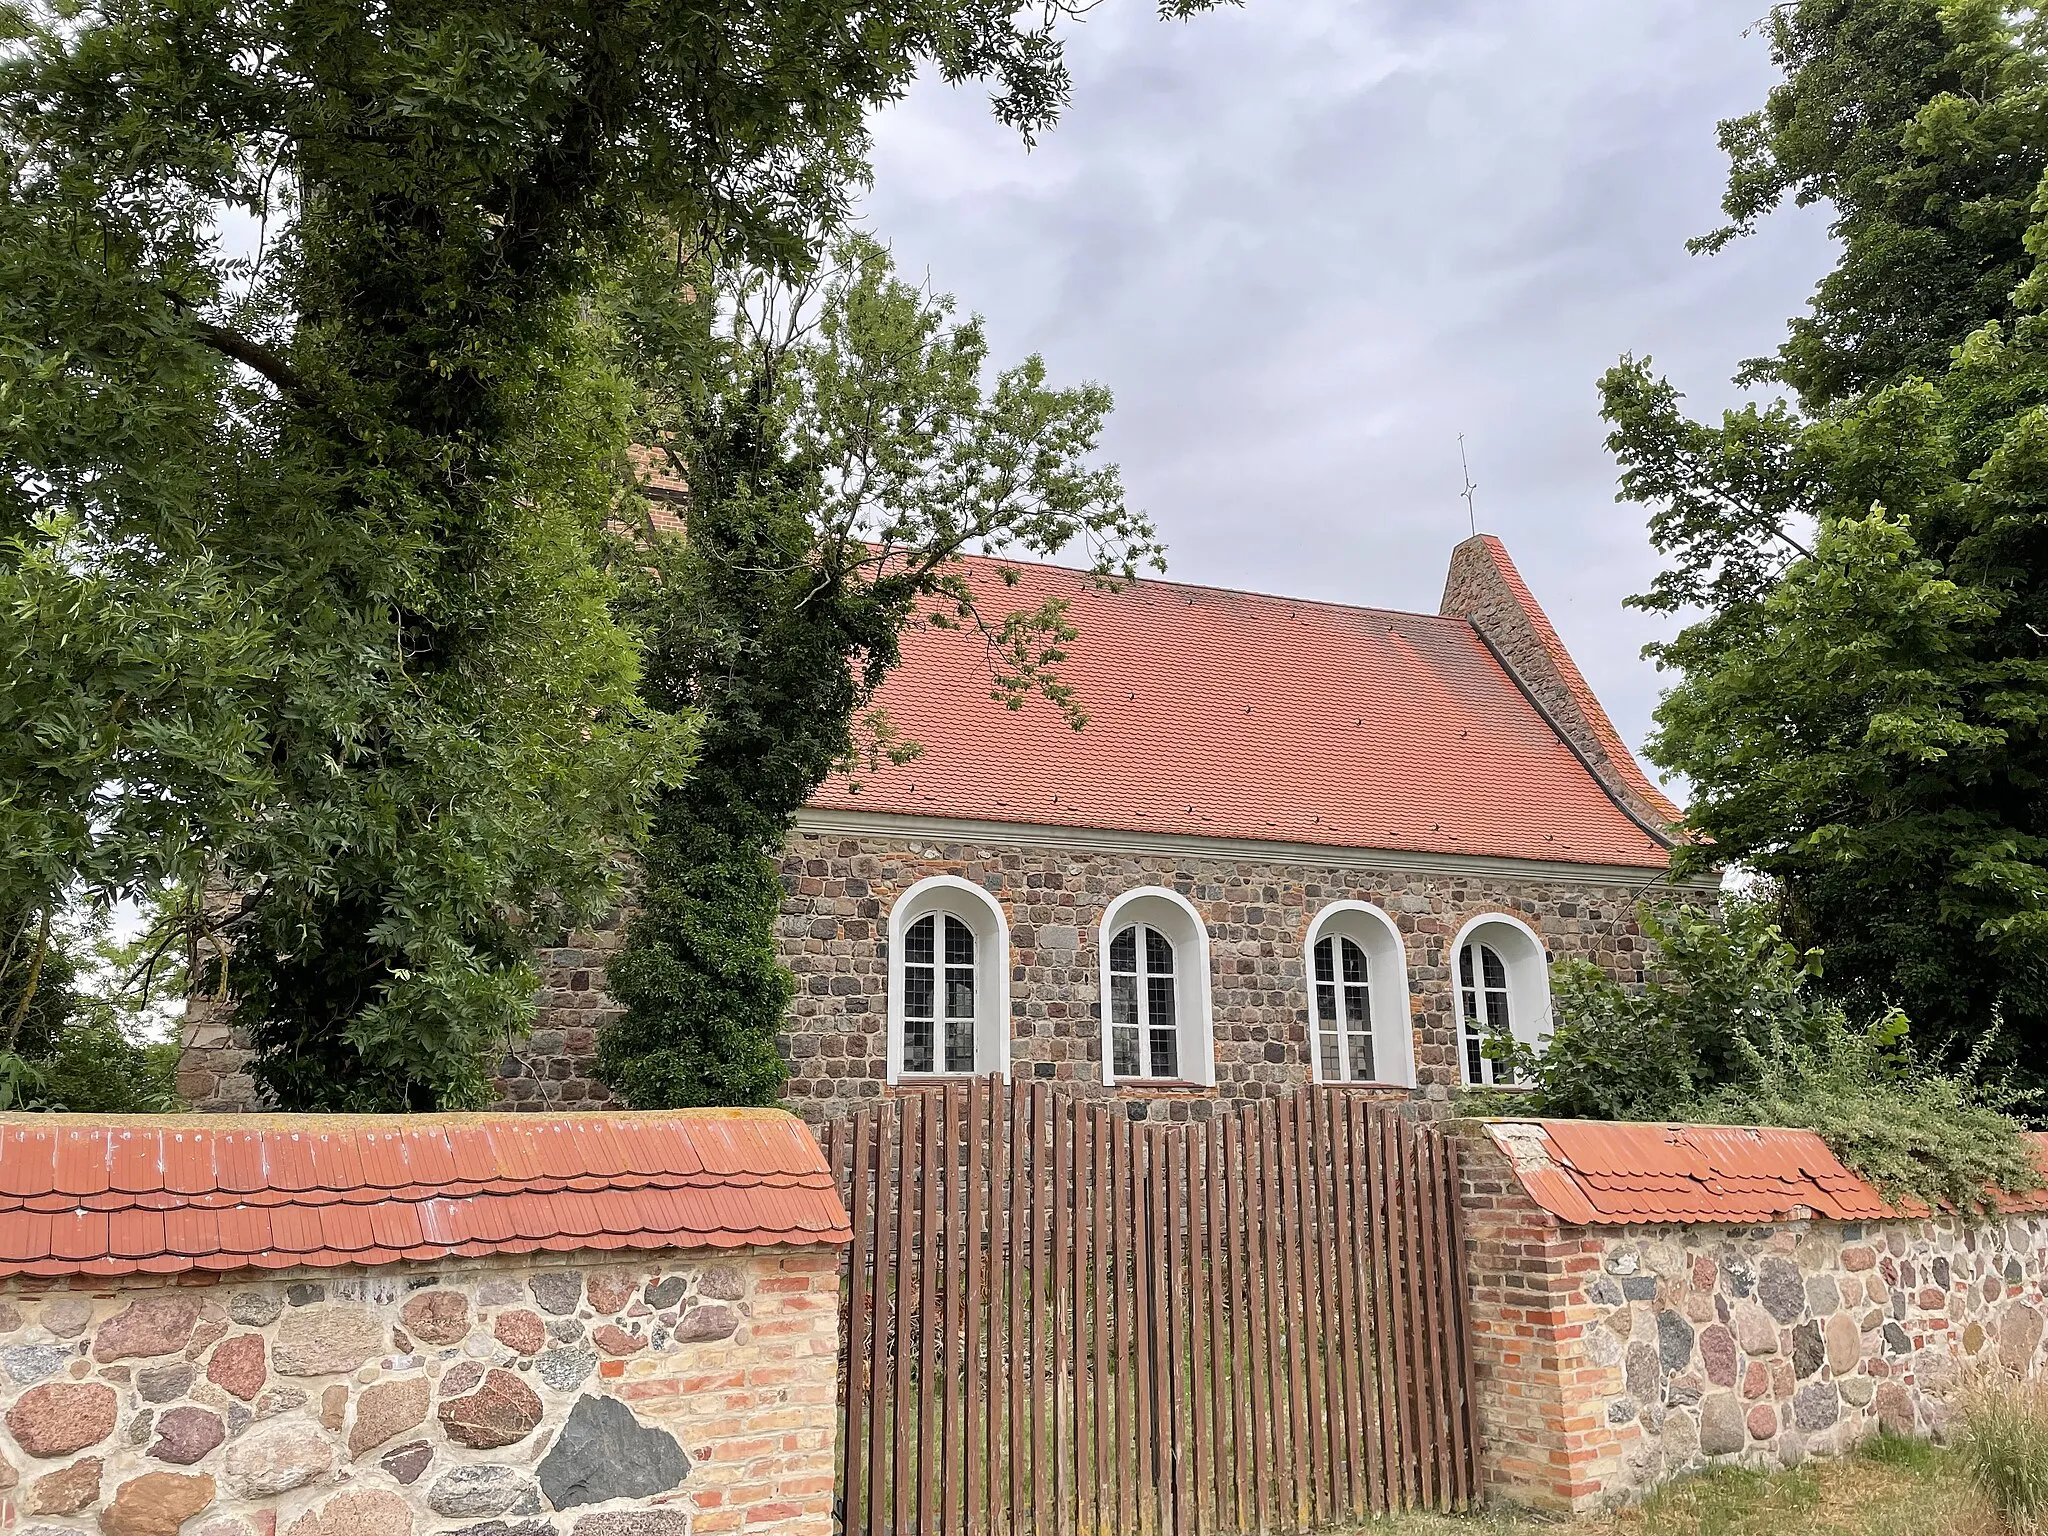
pixel 1598 1173
pixel 1230 714
pixel 126 1194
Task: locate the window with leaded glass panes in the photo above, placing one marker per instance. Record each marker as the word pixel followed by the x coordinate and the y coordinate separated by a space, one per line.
pixel 1343 1011
pixel 1144 1023
pixel 1483 981
pixel 938 995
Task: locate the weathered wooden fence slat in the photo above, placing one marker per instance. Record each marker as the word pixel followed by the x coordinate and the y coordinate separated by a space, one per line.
pixel 1063 1322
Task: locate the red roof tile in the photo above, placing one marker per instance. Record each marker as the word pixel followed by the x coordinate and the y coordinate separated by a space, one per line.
pixel 1596 1173
pixel 122 1194
pixel 1230 714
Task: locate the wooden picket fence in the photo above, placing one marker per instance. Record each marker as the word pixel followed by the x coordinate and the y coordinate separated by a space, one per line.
pixel 1062 1321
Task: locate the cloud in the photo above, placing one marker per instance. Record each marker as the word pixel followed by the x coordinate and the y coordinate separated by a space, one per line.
pixel 1309 242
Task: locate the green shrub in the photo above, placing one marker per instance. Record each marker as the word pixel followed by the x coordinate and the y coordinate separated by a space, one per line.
pixel 1909 1453
pixel 1731 1031
pixel 94 1069
pixel 1909 1129
pixel 23 1083
pixel 1725 984
pixel 2004 1442
pixel 99 1069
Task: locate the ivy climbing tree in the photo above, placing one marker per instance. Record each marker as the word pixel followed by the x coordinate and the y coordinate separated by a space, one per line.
pixel 843 448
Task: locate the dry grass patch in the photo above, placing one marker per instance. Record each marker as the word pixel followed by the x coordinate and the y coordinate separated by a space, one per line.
pixel 2004 1443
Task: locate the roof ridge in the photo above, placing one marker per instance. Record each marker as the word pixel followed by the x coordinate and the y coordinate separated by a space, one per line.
pixel 1221 591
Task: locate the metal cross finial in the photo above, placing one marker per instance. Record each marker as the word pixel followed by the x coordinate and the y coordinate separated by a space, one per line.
pixel 1470 516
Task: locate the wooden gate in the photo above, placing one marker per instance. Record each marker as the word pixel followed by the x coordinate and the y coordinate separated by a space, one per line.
pixel 1063 1321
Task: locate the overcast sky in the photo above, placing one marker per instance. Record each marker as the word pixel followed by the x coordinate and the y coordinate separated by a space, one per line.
pixel 1309 242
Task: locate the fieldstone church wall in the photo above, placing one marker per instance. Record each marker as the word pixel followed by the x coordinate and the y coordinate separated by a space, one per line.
pixel 833 934
pixel 643 1397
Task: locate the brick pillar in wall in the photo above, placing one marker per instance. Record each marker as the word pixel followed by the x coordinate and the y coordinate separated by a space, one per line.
pixel 1486 590
pixel 1545 1440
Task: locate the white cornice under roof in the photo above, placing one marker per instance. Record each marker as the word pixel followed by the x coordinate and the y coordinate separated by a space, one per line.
pixel 1176 845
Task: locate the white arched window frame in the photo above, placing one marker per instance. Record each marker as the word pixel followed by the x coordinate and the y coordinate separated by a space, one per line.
pixel 1174 918
pixel 1376 938
pixel 942 897
pixel 1524 987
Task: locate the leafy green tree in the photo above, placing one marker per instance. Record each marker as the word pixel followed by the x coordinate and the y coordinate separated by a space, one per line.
pixel 1862 686
pixel 1922 124
pixel 299 593
pixel 93 1034
pixel 1724 981
pixel 36 975
pixel 842 451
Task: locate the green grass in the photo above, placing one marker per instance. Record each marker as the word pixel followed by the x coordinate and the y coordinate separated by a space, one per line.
pixel 1893 1487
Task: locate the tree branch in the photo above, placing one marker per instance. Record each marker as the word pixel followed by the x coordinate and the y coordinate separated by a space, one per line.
pixel 35 974
pixel 254 355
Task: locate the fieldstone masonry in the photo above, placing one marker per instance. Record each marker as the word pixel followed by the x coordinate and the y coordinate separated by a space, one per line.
pixel 654 1396
pixel 833 934
pixel 1612 1358
pixel 1484 588
pixel 554 1070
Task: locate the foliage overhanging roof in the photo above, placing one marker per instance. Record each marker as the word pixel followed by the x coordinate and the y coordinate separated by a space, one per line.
pixel 1232 714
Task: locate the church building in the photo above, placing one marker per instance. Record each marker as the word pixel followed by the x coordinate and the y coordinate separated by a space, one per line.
pixel 1293 842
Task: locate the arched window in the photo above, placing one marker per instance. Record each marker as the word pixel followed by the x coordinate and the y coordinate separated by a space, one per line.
pixel 949 981
pixel 938 995
pixel 1483 982
pixel 1358 995
pixel 1502 981
pixel 1343 1010
pixel 1155 990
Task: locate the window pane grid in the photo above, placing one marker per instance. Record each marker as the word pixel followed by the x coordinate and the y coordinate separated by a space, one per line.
pixel 1165 1059
pixel 960 1045
pixel 1144 1005
pixel 1343 1011
pixel 938 997
pixel 1483 989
